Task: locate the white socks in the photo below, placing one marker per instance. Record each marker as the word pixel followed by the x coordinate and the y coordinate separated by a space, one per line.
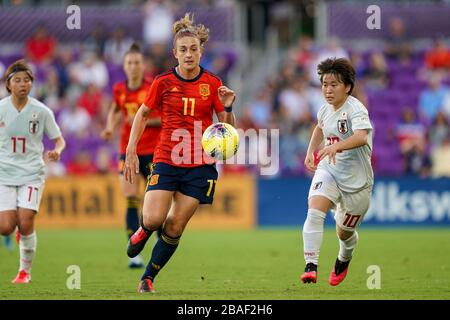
pixel 346 247
pixel 27 246
pixel 313 235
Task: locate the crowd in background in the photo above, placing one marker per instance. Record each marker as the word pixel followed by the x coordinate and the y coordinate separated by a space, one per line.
pixel 417 123
pixel 76 81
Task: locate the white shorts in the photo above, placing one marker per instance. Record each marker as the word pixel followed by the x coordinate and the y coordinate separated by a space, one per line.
pixel 26 196
pixel 349 208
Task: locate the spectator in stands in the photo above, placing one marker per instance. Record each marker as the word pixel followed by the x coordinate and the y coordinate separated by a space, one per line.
pixel 376 75
pixel 74 120
pixel 315 99
pixel 294 101
pixel 440 156
pixel 63 59
pixel 96 40
pixel 439 130
pixel 90 70
pixel 285 77
pixel 304 55
pixel 117 46
pixel 411 133
pixel 357 60
pixel 446 104
pixel 418 162
pixel 398 46
pixel 48 90
pixel 332 49
pixel 431 100
pixel 158 20
pixel 439 56
pixel 260 109
pixel 40 48
pixel 92 101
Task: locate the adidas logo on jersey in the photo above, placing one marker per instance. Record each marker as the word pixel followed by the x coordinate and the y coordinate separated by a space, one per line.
pixel 174 89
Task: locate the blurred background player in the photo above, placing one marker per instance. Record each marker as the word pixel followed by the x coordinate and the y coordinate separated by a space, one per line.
pixel 23 122
pixel 343 178
pixel 127 97
pixel 186 96
pixel 7 241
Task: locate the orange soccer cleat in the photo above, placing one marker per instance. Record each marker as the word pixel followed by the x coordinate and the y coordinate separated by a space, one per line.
pixel 22 277
pixel 338 273
pixel 310 274
pixel 146 285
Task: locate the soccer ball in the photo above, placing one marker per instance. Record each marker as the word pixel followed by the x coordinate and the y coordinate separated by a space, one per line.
pixel 220 140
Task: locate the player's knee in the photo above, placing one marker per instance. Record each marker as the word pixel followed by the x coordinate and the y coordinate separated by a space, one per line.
pixel 344 234
pixel 25 228
pixel 173 228
pixel 7 229
pixel 320 203
pixel 150 224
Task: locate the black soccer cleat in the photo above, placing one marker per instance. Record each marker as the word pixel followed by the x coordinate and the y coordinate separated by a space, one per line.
pixel 137 242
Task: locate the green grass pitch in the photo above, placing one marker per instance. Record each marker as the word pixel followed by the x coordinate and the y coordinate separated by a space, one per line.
pixel 260 264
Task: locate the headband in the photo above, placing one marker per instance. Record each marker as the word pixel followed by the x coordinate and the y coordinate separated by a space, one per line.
pixel 186 31
pixel 17 69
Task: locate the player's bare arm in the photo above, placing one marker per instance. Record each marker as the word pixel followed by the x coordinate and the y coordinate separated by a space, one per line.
pixel 60 145
pixel 131 167
pixel 358 139
pixel 227 117
pixel 112 122
pixel 314 143
pixel 226 97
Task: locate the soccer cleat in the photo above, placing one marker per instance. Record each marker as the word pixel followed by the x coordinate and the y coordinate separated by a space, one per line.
pixel 146 285
pixel 310 274
pixel 137 242
pixel 338 273
pixel 22 277
pixel 136 263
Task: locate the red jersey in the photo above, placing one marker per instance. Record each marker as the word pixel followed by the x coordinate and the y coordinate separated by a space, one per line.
pixel 186 108
pixel 129 102
pixel 40 48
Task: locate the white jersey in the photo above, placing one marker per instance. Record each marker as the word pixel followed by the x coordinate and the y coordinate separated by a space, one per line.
pixel 353 168
pixel 21 146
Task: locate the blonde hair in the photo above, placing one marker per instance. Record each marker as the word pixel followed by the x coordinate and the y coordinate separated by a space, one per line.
pixel 185 28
